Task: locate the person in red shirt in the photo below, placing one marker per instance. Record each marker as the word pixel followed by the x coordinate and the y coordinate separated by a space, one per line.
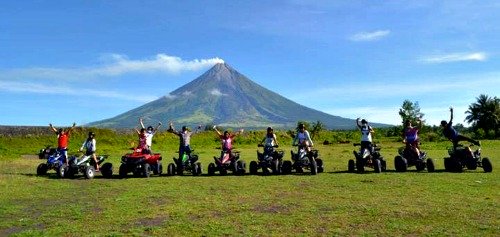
pixel 62 139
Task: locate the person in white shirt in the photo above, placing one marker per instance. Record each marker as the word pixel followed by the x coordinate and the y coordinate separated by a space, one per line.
pixel 303 138
pixel 90 148
pixel 366 134
pixel 150 132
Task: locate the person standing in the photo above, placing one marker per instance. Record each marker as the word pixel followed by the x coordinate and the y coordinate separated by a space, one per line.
pixel 62 139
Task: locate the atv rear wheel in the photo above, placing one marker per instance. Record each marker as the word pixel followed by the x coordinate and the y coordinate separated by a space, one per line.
pixel 107 170
pixel 146 170
pixel 89 172
pixel 486 163
pixel 320 165
pixel 430 165
pixel 351 166
pixel 241 167
pixel 360 165
pixel 253 167
pixel 400 164
pixel 42 169
pixel 287 167
pixel 171 169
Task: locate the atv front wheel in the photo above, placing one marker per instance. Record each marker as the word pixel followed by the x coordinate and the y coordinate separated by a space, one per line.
pixel 430 165
pixel 61 171
pixel 320 165
pixel 123 170
pixel 351 166
pixel 287 167
pixel 107 170
pixel 241 167
pixel 487 167
pixel 314 167
pixel 400 164
pixel 377 165
pixel 211 169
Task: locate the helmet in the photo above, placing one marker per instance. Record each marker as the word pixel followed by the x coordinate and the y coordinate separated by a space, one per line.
pixel 443 123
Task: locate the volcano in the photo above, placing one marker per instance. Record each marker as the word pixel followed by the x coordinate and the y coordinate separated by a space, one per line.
pixel 222 96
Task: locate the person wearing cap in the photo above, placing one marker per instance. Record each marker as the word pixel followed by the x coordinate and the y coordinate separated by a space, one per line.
pixel 184 138
pixel 303 138
pixel 227 140
pixel 90 148
pixel 62 139
pixel 150 132
pixel 453 135
pixel 366 134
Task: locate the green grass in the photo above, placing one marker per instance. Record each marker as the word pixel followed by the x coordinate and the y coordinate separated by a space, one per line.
pixel 331 203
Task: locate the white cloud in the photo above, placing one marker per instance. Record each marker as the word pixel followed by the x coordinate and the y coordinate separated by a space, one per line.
pixel 455 57
pixel 114 65
pixel 216 92
pixel 20 87
pixel 370 36
pixel 160 63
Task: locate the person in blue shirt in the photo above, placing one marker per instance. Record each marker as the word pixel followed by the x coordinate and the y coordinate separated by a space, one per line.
pixel 452 134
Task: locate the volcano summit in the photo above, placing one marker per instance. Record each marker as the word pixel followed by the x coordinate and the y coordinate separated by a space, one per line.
pixel 227 98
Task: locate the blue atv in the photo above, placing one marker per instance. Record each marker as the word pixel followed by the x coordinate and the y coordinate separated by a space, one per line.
pixel 56 161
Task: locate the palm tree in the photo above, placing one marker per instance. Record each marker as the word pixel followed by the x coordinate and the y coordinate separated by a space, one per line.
pixel 485 114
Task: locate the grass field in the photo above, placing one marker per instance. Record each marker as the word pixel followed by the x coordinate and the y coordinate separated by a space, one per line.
pixel 331 203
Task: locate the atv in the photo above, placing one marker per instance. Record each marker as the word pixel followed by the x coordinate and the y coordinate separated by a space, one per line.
pixel 188 162
pixel 141 162
pixel 56 161
pixel 367 157
pixel 462 157
pixel 408 157
pixel 86 165
pixel 228 160
pixel 303 159
pixel 270 160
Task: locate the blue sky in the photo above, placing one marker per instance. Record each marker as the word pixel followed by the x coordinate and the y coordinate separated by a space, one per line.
pixel 81 61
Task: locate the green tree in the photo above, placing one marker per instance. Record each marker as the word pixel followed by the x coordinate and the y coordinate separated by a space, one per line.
pixel 411 111
pixel 317 127
pixel 485 114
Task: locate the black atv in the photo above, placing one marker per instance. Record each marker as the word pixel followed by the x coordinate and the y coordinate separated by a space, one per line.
pixel 463 157
pixel 408 157
pixel 271 160
pixel 303 159
pixel 367 157
pixel 188 162
pixel 228 160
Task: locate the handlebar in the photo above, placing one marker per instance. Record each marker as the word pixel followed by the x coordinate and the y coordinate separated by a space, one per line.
pixel 260 145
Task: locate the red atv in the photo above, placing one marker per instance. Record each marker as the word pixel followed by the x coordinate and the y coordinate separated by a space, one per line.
pixel 227 161
pixel 141 162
